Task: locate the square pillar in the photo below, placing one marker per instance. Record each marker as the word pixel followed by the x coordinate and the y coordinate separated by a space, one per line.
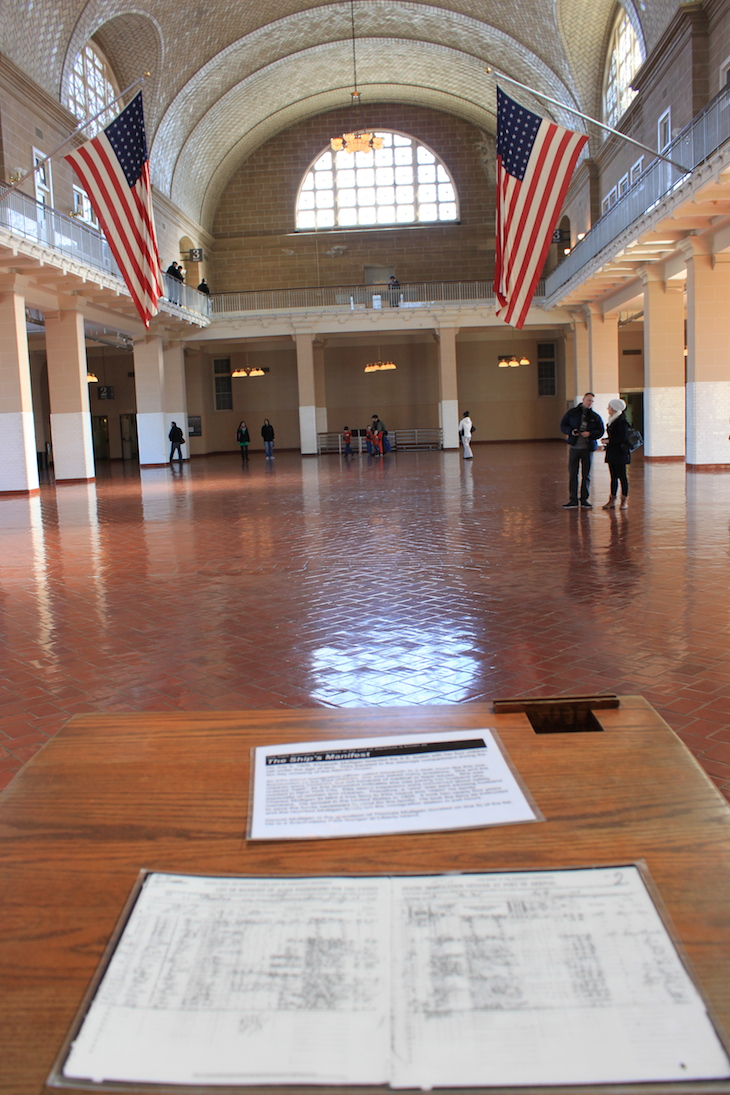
pixel 320 388
pixel 602 358
pixel 708 337
pixel 577 364
pixel 664 408
pixel 152 421
pixel 307 394
pixel 176 403
pixel 18 460
pixel 68 390
pixel 449 414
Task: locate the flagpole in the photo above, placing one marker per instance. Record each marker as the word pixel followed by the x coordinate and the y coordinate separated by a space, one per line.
pixel 594 121
pixel 67 140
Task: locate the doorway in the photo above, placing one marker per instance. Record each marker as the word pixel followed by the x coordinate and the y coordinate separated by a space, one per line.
pixel 128 428
pixel 100 431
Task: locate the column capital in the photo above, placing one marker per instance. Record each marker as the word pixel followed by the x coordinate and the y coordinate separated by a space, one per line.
pixel 692 247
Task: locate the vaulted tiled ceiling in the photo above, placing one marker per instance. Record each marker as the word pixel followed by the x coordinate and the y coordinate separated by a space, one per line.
pixel 225 77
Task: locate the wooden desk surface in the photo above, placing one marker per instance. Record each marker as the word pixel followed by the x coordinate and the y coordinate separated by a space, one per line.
pixel 115 793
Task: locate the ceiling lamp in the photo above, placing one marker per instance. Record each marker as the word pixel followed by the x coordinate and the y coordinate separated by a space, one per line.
pixel 91 378
pixel 240 372
pixel 359 140
pixel 511 361
pixel 379 366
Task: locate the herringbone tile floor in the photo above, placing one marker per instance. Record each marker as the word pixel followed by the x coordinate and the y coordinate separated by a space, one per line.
pixel 414 579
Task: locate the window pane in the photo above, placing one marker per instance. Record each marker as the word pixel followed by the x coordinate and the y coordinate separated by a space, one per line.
pixel 346 217
pixel 447 212
pixel 404 175
pixel 424 156
pixel 446 192
pixel 346 198
pixel 325 199
pixel 385 195
pixel 344 159
pixel 399 139
pixel 305 219
pixel 308 183
pixel 404 194
pixel 306 200
pixel 365 177
pixel 406 214
pixel 403 155
pixel 366 196
pixel 384 157
pixel 323 180
pixel 324 163
pixel 387 139
pixel 386 214
pixel 427 193
pixel 427 174
pixel 367 215
pixel 427 213
pixel 384 176
pixel 442 174
pixel 364 159
pixel 325 218
pixel 345 179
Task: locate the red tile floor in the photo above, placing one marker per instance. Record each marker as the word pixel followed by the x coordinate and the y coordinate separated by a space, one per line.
pixel 418 578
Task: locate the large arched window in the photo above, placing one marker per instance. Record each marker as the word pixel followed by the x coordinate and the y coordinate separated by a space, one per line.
pixel 92 86
pixel 624 60
pixel 403 182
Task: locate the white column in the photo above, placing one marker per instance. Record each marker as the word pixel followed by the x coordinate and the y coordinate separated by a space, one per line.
pixel 307 395
pixel 449 413
pixel 320 388
pixel 18 459
pixel 708 338
pixel 603 358
pixel 664 407
pixel 577 366
pixel 73 446
pixel 153 424
pixel 176 404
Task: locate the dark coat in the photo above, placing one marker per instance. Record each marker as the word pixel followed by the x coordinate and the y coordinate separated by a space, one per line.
pixel 617 449
pixel 571 421
pixel 175 435
pixel 267 432
pixel 242 436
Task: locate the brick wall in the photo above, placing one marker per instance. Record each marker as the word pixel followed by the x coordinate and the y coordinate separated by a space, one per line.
pixel 255 243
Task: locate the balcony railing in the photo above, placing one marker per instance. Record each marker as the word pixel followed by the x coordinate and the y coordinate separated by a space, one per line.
pixel 356 298
pixel 704 135
pixel 78 240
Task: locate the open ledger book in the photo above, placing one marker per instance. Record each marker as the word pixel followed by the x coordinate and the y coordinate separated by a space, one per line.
pixel 505 979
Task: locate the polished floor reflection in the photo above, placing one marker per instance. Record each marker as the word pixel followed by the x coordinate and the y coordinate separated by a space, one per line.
pixel 417 578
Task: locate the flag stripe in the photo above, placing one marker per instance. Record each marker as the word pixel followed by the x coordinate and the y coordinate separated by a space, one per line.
pixel 535 163
pixel 114 171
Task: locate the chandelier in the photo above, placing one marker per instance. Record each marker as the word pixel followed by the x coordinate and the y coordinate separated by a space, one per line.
pixel 379 366
pixel 359 140
pixel 511 362
pixel 253 371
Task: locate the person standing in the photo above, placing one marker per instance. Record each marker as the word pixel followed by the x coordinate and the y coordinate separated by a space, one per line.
pixel 267 432
pixel 346 439
pixel 204 288
pixel 380 432
pixel 393 291
pixel 244 440
pixel 466 429
pixel 618 454
pixel 583 427
pixel 176 441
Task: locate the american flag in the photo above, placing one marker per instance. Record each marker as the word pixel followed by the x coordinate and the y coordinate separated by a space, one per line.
pixel 115 173
pixel 535 162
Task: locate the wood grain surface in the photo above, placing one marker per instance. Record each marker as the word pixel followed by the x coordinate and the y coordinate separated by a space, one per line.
pixel 116 793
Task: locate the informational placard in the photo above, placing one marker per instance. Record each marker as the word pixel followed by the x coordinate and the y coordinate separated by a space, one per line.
pixel 485 980
pixel 401 784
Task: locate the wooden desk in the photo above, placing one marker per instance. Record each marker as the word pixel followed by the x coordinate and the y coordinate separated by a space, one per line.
pixel 112 794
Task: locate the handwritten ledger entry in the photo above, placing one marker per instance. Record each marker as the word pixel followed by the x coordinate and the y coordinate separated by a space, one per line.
pixel 505 979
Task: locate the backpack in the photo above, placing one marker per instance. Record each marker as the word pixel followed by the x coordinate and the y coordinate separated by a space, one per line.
pixel 634 440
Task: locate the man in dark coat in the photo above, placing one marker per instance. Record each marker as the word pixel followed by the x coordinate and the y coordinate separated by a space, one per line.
pixel 176 440
pixel 583 427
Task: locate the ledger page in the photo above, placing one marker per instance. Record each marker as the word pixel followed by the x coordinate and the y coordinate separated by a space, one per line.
pixel 244 981
pixel 537 978
pixel 401 784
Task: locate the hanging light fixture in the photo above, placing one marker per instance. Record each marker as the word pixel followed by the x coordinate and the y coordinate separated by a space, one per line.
pixel 379 366
pixel 359 140
pixel 511 361
pixel 91 378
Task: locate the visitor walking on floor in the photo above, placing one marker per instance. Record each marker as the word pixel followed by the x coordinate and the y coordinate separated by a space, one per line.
pixel 244 440
pixel 583 427
pixel 466 429
pixel 267 432
pixel 176 441
pixel 618 454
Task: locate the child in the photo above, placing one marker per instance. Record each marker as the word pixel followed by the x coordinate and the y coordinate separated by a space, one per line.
pixel 347 438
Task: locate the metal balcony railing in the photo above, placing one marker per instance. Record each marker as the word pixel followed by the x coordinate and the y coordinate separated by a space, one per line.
pixel 74 238
pixel 400 441
pixel 704 135
pixel 356 298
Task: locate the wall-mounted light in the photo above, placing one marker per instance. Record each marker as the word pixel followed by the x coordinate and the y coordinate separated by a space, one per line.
pixel 581 236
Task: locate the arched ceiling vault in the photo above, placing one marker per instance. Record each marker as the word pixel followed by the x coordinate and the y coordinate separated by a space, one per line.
pixel 226 78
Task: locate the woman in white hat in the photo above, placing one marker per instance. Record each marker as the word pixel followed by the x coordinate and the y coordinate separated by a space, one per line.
pixel 617 452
